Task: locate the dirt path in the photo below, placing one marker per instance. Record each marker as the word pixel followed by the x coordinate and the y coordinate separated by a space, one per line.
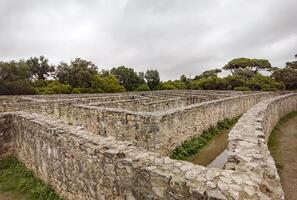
pixel 286 156
pixel 6 196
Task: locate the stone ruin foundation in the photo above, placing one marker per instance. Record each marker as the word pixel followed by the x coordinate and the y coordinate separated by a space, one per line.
pixel 116 146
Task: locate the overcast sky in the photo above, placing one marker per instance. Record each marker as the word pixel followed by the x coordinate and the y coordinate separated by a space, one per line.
pixel 174 36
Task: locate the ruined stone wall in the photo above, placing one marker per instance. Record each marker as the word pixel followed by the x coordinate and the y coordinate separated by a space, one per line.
pixel 84 166
pixel 247 142
pixel 6 141
pixel 157 131
pixel 185 123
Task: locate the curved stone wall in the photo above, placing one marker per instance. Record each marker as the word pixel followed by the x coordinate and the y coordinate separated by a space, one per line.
pixel 247 142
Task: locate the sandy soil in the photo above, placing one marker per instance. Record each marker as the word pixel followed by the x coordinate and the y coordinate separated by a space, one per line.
pixel 287 156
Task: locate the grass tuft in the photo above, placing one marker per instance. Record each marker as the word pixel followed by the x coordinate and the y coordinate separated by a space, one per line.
pixel 15 179
pixel 194 145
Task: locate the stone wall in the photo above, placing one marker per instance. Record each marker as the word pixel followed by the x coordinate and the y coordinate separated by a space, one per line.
pixel 6 141
pixel 84 166
pixel 247 142
pixel 156 131
pixel 185 123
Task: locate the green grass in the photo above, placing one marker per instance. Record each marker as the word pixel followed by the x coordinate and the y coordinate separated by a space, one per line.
pixel 194 145
pixel 273 142
pixel 16 180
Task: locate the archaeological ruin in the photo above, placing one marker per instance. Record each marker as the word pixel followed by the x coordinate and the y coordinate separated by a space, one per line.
pixel 116 146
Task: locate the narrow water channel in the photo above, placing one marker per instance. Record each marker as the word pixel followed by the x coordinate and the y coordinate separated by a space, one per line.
pixel 283 148
pixel 214 155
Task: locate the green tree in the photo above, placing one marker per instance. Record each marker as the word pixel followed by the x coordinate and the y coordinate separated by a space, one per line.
pixel 107 84
pixel 152 78
pixel 287 75
pixel 208 73
pixel 54 87
pixel 210 83
pixel 167 85
pixel 79 73
pixel 127 77
pixel 40 68
pixel 260 82
pixel 246 63
pixel 235 81
pixel 15 78
pixel 293 64
pixel 143 87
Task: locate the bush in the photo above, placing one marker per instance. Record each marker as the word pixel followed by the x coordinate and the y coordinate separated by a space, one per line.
pixel 168 85
pixel 210 83
pixel 107 83
pixel 242 88
pixel 143 87
pixel 17 87
pixel 235 81
pixel 179 84
pixel 55 88
pixel 260 82
pixel 86 90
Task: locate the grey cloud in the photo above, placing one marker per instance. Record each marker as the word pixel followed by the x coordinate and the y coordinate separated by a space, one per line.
pixel 174 36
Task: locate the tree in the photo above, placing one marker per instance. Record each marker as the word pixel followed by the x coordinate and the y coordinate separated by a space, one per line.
pixel 235 81
pixel 143 87
pixel 15 78
pixel 79 73
pixel 127 77
pixel 246 63
pixel 39 67
pixel 287 75
pixel 210 83
pixel 293 64
pixel 208 73
pixel 152 78
pixel 107 84
pixel 260 82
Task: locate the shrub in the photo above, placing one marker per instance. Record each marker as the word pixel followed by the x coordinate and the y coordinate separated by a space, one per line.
pixel 260 82
pixel 168 85
pixel 242 88
pixel 55 88
pixel 210 83
pixel 143 87
pixel 16 87
pixel 107 83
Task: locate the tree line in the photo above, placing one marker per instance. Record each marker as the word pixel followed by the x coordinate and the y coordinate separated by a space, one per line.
pixel 36 76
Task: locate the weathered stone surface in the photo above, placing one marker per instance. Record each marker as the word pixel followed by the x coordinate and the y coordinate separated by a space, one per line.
pixel 157 121
pixel 88 152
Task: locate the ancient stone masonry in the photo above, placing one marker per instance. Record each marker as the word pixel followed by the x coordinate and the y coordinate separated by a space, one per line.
pixel 102 147
pixel 6 140
pixel 157 121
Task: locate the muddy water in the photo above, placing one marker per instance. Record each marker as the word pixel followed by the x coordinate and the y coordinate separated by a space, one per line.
pixel 286 156
pixel 215 154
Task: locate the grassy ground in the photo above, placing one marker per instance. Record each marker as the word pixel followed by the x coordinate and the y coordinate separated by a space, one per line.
pixel 20 184
pixel 274 143
pixel 194 145
pixel 283 147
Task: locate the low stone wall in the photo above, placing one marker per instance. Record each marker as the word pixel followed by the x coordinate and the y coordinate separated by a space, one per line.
pixel 247 142
pixel 155 131
pixel 84 166
pixel 6 140
pixel 185 123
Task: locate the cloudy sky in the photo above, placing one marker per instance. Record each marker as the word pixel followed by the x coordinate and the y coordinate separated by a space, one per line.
pixel 174 36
